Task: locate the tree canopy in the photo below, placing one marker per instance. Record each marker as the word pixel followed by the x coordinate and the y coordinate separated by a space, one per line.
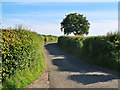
pixel 76 24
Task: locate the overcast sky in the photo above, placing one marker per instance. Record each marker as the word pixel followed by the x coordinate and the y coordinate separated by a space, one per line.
pixel 45 17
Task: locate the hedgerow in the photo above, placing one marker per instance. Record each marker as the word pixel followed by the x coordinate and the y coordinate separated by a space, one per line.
pixel 22 57
pixel 100 50
pixel 0 60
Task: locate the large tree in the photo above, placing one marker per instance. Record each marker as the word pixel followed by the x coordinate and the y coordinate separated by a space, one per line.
pixel 76 24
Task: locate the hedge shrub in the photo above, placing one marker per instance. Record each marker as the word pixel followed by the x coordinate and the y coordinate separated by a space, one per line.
pixel 99 50
pixel 22 57
pixel 0 60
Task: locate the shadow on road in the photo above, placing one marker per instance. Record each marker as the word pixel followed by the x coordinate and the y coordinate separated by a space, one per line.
pixel 69 63
pixel 90 79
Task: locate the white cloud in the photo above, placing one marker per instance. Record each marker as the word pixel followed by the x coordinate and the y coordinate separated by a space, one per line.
pixel 101 23
pixel 28 3
pixel 102 14
pixel 98 28
pixel 56 17
pixel 4 26
pixel 39 14
pixel 57 14
pixel 101 28
pixel 14 20
pixel 47 29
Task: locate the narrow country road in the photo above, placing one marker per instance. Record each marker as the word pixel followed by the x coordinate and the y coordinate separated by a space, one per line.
pixel 67 71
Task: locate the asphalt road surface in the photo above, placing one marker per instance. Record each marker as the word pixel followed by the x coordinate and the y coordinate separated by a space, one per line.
pixel 67 71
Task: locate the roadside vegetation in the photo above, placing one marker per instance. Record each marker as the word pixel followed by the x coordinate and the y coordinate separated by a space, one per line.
pixel 22 54
pixel 99 50
pixel 22 57
pixel 0 60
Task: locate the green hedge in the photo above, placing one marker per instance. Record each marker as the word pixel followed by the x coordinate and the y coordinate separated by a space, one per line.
pixel 100 50
pixel 0 60
pixel 22 57
pixel 50 38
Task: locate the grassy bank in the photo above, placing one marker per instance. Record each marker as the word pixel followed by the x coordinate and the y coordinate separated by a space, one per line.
pixel 22 57
pixel 99 50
